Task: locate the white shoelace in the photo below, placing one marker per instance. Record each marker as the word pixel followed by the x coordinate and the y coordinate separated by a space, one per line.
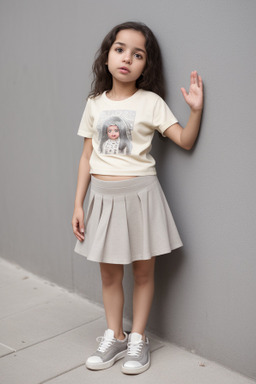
pixel 134 349
pixel 104 343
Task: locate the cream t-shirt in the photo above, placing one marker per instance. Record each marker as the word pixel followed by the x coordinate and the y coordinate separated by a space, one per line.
pixel 122 132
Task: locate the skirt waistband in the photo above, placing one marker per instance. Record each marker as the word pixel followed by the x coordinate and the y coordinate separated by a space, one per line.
pixel 121 187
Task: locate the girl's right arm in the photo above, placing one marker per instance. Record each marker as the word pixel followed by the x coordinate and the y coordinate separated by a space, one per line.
pixel 83 181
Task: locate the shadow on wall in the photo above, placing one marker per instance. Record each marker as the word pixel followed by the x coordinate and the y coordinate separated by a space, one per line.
pixel 168 268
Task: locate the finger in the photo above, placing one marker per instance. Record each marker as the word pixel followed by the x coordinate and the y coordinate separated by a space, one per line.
pixel 75 226
pixel 195 79
pixel 184 93
pixel 81 226
pixel 200 82
pixel 75 230
pixel 80 238
pixel 81 234
pixel 77 234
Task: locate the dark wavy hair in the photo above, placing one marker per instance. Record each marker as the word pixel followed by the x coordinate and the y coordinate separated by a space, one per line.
pixel 152 78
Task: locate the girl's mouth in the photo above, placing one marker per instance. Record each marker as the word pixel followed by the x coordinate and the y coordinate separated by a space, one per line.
pixel 124 70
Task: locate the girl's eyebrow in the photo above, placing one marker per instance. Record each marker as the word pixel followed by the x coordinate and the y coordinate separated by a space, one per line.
pixel 136 49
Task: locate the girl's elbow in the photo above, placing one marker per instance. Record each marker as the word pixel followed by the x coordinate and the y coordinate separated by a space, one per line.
pixel 188 147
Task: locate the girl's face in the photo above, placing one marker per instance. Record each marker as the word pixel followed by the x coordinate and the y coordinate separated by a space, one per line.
pixel 113 132
pixel 127 56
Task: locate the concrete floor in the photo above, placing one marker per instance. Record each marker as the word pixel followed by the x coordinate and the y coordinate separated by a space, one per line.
pixel 46 334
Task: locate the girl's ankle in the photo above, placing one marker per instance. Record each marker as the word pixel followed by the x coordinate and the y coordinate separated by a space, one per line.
pixel 120 335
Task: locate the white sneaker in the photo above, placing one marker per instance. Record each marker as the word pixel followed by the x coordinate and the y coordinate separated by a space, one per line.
pixel 109 351
pixel 137 359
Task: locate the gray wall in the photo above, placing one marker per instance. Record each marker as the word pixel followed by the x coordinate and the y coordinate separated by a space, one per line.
pixel 205 292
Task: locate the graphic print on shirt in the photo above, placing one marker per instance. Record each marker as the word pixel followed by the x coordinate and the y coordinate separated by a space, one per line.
pixel 115 132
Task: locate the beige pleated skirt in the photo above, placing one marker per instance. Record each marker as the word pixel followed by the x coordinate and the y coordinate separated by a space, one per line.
pixel 126 221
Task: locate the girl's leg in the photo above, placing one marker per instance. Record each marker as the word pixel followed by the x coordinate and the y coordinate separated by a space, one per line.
pixel 113 296
pixel 143 293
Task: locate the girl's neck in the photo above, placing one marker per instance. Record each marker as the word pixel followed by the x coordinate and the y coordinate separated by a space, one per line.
pixel 121 91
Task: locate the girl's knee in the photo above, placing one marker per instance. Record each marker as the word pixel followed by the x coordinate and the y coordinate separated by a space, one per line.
pixel 111 274
pixel 143 272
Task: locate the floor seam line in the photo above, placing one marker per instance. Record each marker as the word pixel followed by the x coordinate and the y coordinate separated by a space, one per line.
pixel 61 374
pixel 52 337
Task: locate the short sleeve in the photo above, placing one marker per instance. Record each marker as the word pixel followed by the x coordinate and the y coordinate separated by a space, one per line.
pixel 163 117
pixel 86 125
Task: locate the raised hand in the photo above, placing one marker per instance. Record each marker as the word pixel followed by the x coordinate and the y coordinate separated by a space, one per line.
pixel 194 98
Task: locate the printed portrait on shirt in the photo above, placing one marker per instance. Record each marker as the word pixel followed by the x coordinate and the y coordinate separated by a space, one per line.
pixel 115 132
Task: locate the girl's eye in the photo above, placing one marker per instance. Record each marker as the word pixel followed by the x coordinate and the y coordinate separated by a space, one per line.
pixel 138 56
pixel 119 50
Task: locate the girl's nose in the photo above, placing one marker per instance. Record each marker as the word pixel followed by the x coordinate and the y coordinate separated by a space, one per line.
pixel 127 59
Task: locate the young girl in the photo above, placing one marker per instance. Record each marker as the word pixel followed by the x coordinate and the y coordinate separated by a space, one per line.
pixel 128 218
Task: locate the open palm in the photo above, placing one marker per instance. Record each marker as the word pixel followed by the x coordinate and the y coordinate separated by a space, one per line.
pixel 194 98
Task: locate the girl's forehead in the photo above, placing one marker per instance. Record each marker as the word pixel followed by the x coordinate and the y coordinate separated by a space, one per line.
pixel 131 37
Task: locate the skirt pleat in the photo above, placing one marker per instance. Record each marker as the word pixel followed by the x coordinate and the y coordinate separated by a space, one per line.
pixel 145 241
pixel 126 221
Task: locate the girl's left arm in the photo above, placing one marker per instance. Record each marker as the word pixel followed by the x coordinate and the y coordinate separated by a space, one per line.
pixel 186 137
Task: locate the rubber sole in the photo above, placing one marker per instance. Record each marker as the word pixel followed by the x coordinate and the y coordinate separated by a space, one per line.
pixel 106 364
pixel 135 371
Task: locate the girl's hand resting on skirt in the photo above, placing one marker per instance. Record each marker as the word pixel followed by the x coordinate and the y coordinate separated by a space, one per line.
pixel 78 223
